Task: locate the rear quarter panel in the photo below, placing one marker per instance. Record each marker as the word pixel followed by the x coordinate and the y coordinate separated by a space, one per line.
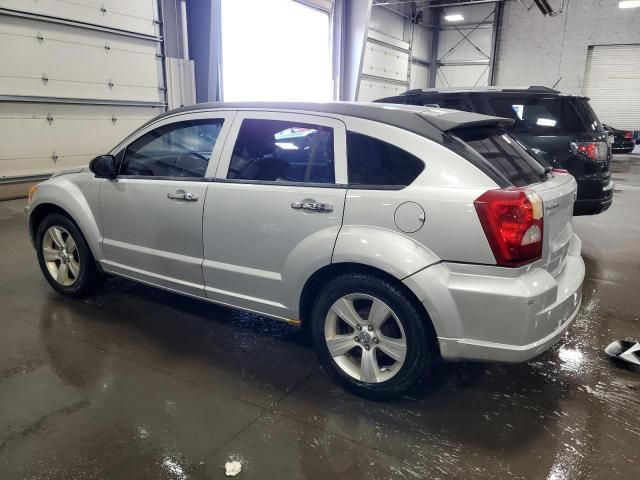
pixel 445 190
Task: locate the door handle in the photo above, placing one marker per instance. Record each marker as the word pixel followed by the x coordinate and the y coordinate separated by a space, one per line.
pixel 182 195
pixel 312 205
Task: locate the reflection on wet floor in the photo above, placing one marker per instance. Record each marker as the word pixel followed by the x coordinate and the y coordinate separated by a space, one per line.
pixel 139 383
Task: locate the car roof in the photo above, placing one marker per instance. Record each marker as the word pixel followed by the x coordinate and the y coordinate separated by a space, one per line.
pixel 533 90
pixel 426 121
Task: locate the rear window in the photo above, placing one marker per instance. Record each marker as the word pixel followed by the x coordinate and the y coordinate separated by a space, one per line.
pixel 372 162
pixel 505 155
pixel 547 116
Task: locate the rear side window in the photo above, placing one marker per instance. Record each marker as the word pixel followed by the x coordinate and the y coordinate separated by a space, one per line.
pixel 282 151
pixel 180 149
pixel 547 116
pixel 372 162
pixel 505 154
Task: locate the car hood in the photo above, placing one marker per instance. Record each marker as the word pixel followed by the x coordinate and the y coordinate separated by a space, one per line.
pixel 70 171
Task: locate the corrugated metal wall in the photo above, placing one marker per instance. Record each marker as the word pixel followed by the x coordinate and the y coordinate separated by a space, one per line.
pixel 612 82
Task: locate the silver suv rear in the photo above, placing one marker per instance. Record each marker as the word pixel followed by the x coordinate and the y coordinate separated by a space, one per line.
pixel 394 234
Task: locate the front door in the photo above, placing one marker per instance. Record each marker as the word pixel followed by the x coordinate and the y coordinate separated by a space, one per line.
pixel 151 214
pixel 273 214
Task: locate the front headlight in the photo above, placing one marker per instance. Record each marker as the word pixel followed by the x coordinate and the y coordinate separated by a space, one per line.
pixel 32 193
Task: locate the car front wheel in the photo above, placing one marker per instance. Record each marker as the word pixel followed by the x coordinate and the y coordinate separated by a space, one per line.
pixel 370 337
pixel 64 256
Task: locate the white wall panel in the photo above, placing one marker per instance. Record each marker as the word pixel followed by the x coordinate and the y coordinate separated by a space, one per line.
pixel 612 82
pixel 78 63
pixel 372 90
pixel 181 83
pixel 130 15
pixel 419 76
pixel 387 22
pixel 448 39
pixel 421 43
pixel 539 50
pixel 385 62
pixel 462 76
pixel 32 132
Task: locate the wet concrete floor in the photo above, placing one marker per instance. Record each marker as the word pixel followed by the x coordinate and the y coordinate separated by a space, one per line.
pixel 139 383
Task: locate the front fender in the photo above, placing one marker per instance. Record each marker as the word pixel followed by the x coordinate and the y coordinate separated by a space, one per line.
pixel 79 200
pixel 386 250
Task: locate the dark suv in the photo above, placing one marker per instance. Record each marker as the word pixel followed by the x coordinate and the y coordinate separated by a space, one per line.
pixel 561 130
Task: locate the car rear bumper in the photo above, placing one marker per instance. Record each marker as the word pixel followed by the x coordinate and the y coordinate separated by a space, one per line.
pixel 623 146
pixel 505 317
pixel 592 206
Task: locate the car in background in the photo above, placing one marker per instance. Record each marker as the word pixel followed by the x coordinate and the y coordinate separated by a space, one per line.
pixel 395 234
pixel 623 141
pixel 561 130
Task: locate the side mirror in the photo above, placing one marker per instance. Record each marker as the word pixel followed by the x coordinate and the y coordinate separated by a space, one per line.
pixel 104 166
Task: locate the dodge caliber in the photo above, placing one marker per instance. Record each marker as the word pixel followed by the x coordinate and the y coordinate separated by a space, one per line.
pixel 396 235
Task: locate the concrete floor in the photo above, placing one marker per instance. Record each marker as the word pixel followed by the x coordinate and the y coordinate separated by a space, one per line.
pixel 140 383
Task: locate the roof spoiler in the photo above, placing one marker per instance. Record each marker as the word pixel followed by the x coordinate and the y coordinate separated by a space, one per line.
pixel 449 120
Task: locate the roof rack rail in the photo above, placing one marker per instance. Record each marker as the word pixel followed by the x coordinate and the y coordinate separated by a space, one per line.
pixel 540 88
pixel 412 92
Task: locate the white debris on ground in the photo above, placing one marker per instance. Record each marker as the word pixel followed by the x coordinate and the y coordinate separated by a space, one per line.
pixel 231 469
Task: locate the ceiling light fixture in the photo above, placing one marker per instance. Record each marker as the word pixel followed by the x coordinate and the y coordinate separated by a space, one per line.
pixel 629 4
pixel 456 17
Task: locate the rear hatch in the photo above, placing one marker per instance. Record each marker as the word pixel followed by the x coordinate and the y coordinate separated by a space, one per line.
pixel 550 123
pixel 515 167
pixel 558 194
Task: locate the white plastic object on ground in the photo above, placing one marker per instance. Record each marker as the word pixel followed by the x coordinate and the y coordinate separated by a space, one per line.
pixel 233 468
pixel 625 350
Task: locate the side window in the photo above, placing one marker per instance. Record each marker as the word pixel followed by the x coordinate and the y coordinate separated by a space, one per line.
pixel 282 151
pixel 180 149
pixel 372 162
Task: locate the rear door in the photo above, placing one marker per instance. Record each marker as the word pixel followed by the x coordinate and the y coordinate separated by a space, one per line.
pixel 273 214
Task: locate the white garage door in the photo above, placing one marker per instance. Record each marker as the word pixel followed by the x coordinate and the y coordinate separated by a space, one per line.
pixel 612 82
pixel 384 67
pixel 71 87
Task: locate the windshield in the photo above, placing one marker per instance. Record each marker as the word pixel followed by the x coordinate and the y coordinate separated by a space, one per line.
pixel 505 154
pixel 547 116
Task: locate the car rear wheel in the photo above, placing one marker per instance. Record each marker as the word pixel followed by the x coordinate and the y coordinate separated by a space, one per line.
pixel 370 337
pixel 64 256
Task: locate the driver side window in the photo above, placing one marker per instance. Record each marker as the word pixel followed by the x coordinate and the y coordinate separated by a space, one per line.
pixel 179 149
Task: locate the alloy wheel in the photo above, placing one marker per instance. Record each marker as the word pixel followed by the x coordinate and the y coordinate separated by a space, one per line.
pixel 61 255
pixel 365 338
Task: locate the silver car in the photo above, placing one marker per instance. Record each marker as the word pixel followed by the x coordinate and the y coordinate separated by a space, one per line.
pixel 394 234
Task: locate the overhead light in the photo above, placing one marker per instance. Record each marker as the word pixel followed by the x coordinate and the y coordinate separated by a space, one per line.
pixel 456 17
pixel 629 4
pixel 546 122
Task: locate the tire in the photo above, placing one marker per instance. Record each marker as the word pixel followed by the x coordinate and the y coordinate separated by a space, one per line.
pixel 80 269
pixel 397 374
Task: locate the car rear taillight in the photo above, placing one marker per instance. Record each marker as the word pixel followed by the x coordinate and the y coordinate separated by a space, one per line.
pixel 559 171
pixel 596 151
pixel 512 220
pixel 628 135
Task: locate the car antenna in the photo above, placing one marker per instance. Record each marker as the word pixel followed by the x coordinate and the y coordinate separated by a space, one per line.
pixel 554 85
